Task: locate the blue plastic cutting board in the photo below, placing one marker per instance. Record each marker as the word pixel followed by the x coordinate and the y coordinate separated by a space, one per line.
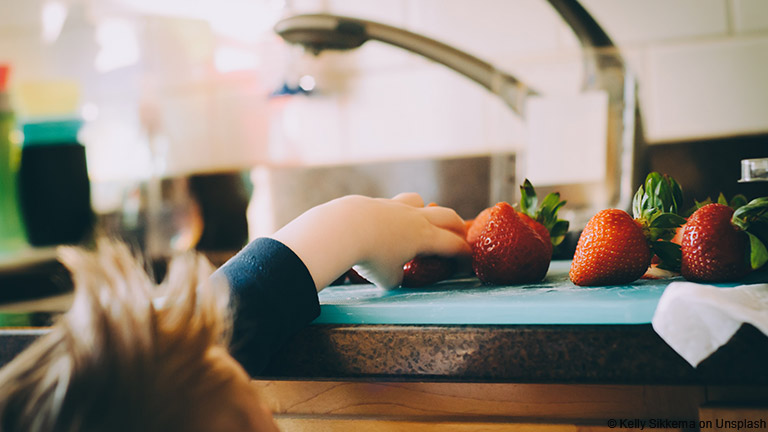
pixel 466 301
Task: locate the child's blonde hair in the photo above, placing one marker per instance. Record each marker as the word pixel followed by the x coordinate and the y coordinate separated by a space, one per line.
pixel 129 355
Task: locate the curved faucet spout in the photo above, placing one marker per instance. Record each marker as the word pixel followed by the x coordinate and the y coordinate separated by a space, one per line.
pixel 318 32
pixel 604 71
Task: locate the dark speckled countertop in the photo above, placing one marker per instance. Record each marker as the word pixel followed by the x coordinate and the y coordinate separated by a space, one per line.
pixel 599 354
pixel 567 352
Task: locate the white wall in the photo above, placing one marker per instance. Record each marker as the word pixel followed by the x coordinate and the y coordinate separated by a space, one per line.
pixel 701 66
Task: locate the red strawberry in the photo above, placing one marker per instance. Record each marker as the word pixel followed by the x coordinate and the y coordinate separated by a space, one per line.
pixel 540 229
pixel 736 202
pixel 355 278
pixel 726 240
pixel 509 251
pixel 427 270
pixel 611 250
pixel 340 280
pixel 714 249
pixel 478 225
pixel 616 248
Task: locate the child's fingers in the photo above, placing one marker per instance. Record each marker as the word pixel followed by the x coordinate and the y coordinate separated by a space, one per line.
pixel 445 218
pixel 410 198
pixel 446 243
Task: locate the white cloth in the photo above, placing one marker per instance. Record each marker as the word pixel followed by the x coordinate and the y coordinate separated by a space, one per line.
pixel 695 319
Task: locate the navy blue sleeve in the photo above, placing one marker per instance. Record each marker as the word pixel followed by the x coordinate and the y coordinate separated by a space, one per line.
pixel 273 296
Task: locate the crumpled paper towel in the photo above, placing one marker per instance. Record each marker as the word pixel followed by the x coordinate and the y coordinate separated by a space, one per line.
pixel 695 319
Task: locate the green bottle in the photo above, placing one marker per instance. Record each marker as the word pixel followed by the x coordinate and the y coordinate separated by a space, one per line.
pixel 12 233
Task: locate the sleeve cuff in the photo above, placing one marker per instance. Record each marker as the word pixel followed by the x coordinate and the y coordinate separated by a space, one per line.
pixel 273 296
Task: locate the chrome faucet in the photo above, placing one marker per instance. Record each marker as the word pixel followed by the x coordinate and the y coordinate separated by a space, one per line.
pixel 320 32
pixel 604 70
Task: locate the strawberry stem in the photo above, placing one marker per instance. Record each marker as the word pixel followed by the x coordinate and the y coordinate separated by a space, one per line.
pixel 528 200
pixel 752 218
pixel 670 254
pixel 656 206
pixel 544 213
pixel 736 202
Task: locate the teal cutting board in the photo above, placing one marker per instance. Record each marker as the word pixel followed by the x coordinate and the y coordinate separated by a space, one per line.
pixel 466 301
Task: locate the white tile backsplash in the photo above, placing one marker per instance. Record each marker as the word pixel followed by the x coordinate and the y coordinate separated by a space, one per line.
pixel 699 90
pixel 560 73
pixel 750 16
pixel 672 46
pixel 489 29
pixel 649 21
pixel 527 38
pixel 305 130
pixel 567 137
pixel 503 130
pixel 388 12
pixel 414 113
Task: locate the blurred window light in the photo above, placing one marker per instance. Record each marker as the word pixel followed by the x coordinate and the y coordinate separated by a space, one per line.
pixel 242 20
pixel 230 59
pixel 178 8
pixel 53 15
pixel 89 111
pixel 118 44
pixel 246 22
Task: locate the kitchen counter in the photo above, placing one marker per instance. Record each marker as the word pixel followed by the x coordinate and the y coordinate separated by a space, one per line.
pixel 460 330
pixel 552 331
pixel 460 356
pixel 587 354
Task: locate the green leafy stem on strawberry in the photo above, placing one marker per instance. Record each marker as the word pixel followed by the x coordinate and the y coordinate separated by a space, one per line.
pixel 752 218
pixel 656 207
pixel 735 202
pixel 546 213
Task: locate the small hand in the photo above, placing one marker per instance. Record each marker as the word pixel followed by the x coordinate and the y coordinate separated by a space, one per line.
pixel 377 236
pixel 409 231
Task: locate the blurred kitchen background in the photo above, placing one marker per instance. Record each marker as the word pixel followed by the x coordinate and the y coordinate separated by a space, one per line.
pixel 197 111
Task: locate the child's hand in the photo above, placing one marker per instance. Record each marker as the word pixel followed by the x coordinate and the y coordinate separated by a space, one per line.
pixel 377 236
